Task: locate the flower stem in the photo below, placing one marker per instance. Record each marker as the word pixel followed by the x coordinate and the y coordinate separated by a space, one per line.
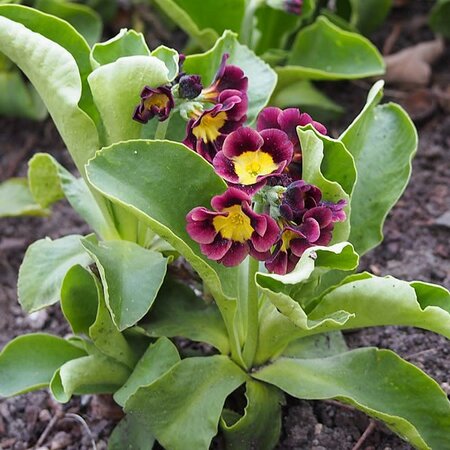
pixel 246 33
pixel 161 129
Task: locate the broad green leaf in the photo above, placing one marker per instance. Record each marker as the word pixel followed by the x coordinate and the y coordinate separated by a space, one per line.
pixel 93 374
pixel 86 21
pixel 193 393
pixel 322 51
pixel 131 278
pixel 170 58
pixel 382 140
pixel 179 312
pixel 55 58
pixel 260 426
pixel 106 337
pixel 283 318
pixel 365 15
pixel 28 362
pixel 129 435
pixel 163 205
pixel 204 20
pixel 319 167
pixel 79 299
pixel 125 43
pixel 377 382
pixel 317 346
pixel 261 78
pixel 49 182
pixel 438 18
pixel 16 199
pixel 44 267
pixel 304 95
pixel 378 301
pixel 155 362
pixel 116 89
pixel 18 98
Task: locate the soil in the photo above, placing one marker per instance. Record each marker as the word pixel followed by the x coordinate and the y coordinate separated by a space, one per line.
pixel 417 234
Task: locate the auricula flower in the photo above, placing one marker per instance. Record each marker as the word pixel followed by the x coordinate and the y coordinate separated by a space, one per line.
pixel 248 157
pixel 154 102
pixel 190 86
pixel 233 230
pixel 207 131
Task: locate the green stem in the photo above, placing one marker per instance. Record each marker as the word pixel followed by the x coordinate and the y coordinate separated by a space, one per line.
pixel 246 32
pixel 161 129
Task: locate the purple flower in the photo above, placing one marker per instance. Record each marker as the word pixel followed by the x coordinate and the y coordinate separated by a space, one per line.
pixel 227 77
pixel 289 6
pixel 206 133
pixel 298 198
pixel 248 158
pixel 190 86
pixel 154 102
pixel 233 230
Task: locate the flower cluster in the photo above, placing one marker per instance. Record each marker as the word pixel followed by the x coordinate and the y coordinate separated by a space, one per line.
pixel 268 211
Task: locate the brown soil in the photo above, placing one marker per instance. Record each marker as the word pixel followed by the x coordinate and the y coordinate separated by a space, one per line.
pixel 415 247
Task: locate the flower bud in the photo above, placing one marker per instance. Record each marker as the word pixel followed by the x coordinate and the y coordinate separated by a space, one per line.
pixel 190 86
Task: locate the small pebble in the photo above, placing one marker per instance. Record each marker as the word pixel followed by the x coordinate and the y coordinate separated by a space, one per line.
pixel 60 441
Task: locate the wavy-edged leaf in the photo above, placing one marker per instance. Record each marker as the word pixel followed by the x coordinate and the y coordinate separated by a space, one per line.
pixel 323 51
pixel 55 58
pixel 163 205
pixel 129 435
pixel 16 199
pixel 179 312
pixel 193 393
pixel 261 78
pixel 170 58
pixel 44 267
pixel 260 426
pixel 383 141
pixel 155 362
pixel 204 20
pixel 377 382
pixel 93 374
pixel 50 182
pixel 131 277
pixel 84 19
pixel 317 346
pixel 28 362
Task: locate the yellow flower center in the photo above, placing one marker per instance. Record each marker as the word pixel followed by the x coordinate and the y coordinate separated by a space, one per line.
pixel 286 239
pixel 209 126
pixel 235 226
pixel 158 100
pixel 249 165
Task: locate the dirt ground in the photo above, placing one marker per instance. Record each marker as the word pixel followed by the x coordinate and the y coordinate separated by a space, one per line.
pixel 416 246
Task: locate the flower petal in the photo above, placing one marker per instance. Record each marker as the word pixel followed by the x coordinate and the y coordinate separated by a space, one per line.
pixel 235 255
pixel 242 140
pixel 268 118
pixel 217 249
pixel 232 196
pixel 278 145
pixel 225 168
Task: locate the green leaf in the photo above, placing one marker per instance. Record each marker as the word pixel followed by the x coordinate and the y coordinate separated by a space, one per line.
pixel 193 393
pixel 129 435
pixel 322 51
pixel 163 205
pixel 375 301
pixel 55 58
pixel 438 18
pixel 16 199
pixel 79 299
pixel 365 15
pixel 28 362
pixel 155 362
pixel 49 182
pixel 382 140
pixel 170 58
pixel 377 382
pixel 86 21
pixel 261 78
pixel 116 89
pixel 317 346
pixel 304 95
pixel 179 312
pixel 93 374
pixel 327 164
pixel 18 98
pixel 260 426
pixel 125 43
pixel 131 278
pixel 204 20
pixel 44 267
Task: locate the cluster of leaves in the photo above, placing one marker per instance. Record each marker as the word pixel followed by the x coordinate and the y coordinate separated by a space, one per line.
pixel 18 98
pixel 268 334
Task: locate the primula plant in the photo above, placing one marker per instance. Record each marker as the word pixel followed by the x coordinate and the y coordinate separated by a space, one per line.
pixel 216 220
